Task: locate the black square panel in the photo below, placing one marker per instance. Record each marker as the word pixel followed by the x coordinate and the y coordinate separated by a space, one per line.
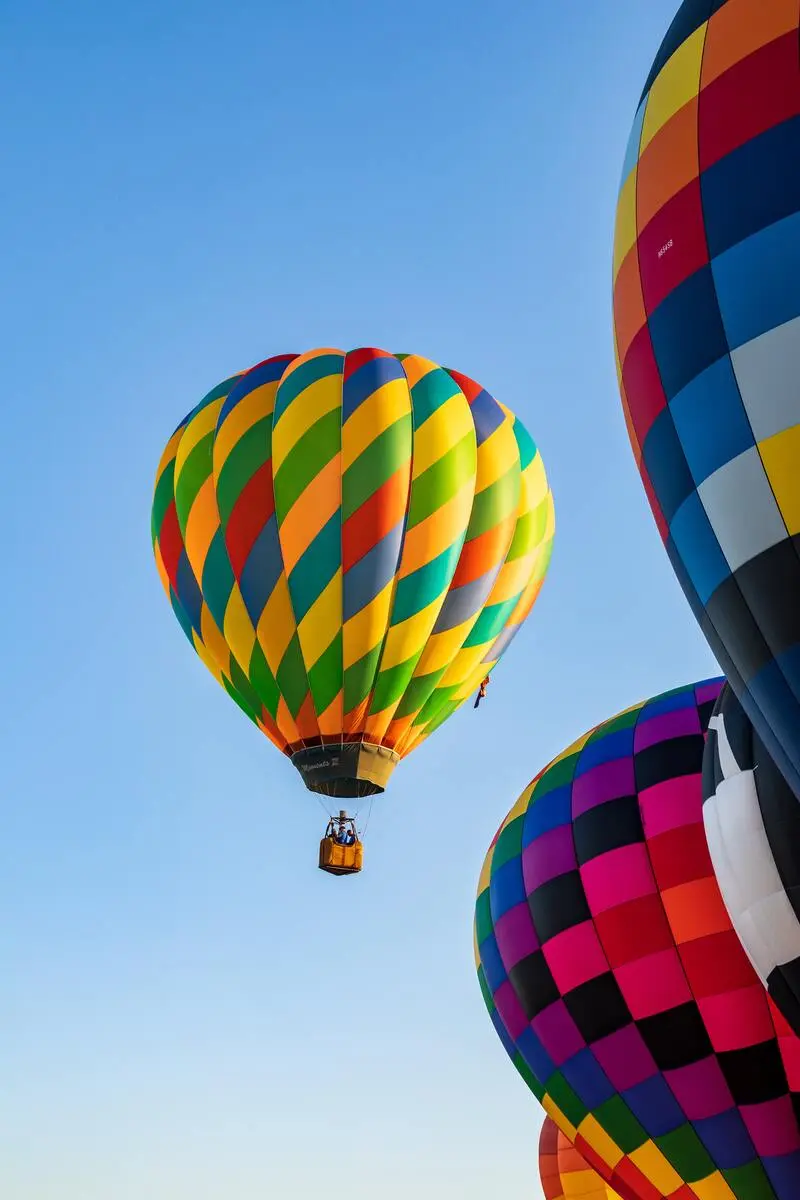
pixel 558 905
pixel 753 187
pixel 754 1075
pixel 669 759
pixel 534 985
pixel 676 1038
pixel 607 827
pixel 736 628
pixel 770 584
pixel 598 1008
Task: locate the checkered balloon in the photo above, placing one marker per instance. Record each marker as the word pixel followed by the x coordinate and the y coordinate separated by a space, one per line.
pixel 615 980
pixel 707 336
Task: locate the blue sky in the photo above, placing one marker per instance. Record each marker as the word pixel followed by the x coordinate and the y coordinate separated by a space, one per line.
pixel 189 1009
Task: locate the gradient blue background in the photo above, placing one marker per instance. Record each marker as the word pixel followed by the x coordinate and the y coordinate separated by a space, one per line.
pixel 189 1010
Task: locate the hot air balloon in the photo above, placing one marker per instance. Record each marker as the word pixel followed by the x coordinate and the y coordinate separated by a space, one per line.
pixel 707 335
pixel 350 542
pixel 752 822
pixel 615 980
pixel 565 1173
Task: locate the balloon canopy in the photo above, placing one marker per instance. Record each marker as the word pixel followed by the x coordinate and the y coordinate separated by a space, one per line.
pixel 707 336
pixel 752 821
pixel 564 1172
pixel 615 980
pixel 350 542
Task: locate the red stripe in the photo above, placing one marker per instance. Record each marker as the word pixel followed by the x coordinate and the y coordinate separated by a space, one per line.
pixel 357 358
pixel 252 510
pixel 469 387
pixel 376 517
pixel 481 554
pixel 170 543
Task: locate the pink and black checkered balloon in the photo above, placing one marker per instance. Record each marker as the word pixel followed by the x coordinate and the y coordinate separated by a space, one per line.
pixel 615 980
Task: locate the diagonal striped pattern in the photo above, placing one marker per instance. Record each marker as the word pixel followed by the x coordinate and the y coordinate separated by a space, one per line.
pixel 185 532
pixel 377 441
pixel 307 450
pixel 350 540
pixel 259 622
pixel 565 1173
pixel 439 507
pixel 486 545
pixel 513 594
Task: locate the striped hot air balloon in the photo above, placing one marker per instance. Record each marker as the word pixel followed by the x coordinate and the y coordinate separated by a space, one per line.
pixel 565 1173
pixel 350 542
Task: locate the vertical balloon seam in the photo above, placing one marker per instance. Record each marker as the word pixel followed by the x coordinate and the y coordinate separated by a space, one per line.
pixel 361 711
pixel 303 360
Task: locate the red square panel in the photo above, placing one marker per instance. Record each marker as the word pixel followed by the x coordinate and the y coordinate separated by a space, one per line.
pixel 680 855
pixel 654 984
pixel 631 1178
pixel 642 381
pixel 716 965
pixel 634 930
pixel 737 1020
pixel 673 246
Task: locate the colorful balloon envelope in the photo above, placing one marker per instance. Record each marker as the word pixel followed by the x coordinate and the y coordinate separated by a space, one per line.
pixel 615 980
pixel 752 822
pixel 565 1173
pixel 350 542
pixel 707 335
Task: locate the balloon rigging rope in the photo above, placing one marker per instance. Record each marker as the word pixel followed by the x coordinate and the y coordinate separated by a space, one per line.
pixel 369 814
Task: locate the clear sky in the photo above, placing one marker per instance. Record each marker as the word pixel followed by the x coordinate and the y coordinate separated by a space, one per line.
pixel 189 1010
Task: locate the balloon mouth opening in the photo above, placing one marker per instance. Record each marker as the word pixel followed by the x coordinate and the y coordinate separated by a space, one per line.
pixel 346 769
pixel 345 789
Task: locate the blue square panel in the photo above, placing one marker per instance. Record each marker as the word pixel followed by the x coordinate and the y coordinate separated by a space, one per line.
pixel 753 187
pixel 711 421
pixel 687 332
pixel 758 282
pixel 666 465
pixel 699 550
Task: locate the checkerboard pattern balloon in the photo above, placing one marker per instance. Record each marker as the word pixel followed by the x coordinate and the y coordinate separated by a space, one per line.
pixel 350 542
pixel 707 336
pixel 615 980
